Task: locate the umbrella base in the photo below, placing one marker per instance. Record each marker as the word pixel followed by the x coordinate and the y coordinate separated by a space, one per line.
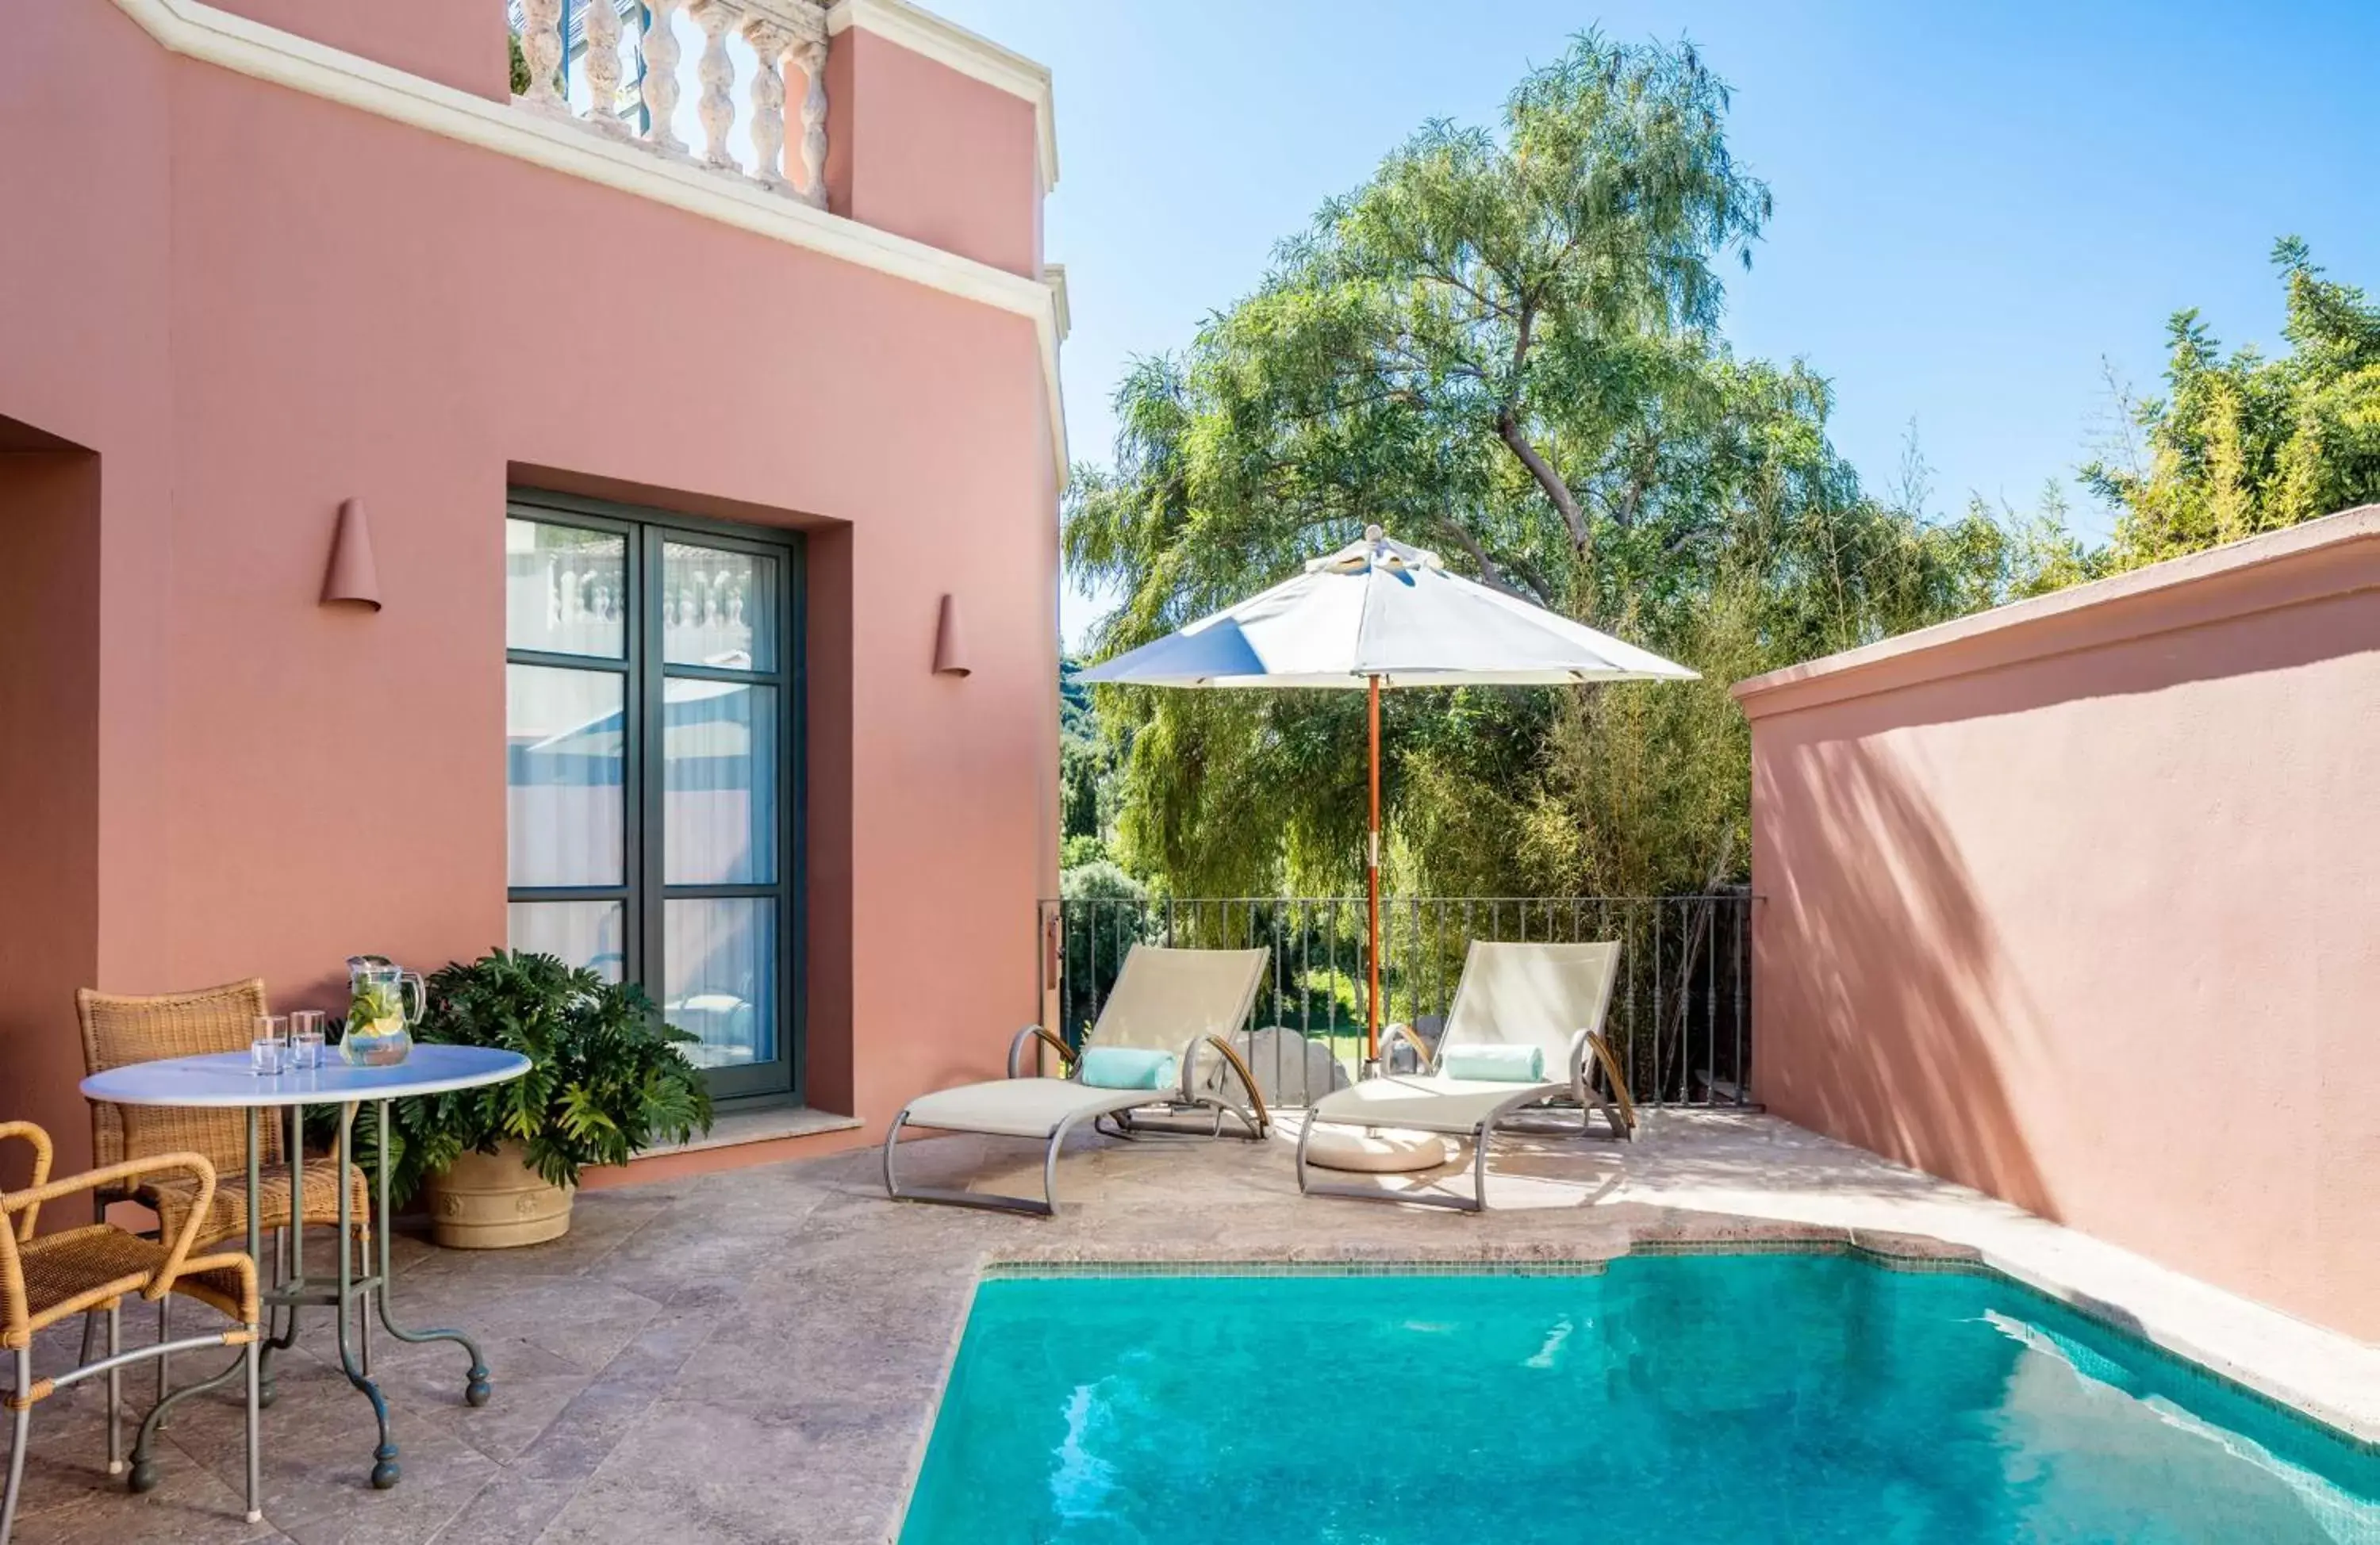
pixel 1375 1150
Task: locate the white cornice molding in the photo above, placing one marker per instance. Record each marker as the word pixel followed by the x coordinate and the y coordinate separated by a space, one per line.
pixel 1054 275
pixel 200 31
pixel 970 53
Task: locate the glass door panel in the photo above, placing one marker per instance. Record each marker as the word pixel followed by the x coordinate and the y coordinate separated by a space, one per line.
pixel 721 983
pixel 719 607
pixel 718 782
pixel 565 770
pixel 652 693
pixel 581 933
pixel 566 589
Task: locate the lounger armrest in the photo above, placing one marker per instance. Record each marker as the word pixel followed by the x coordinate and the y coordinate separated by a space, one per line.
pixel 1025 1038
pixel 1238 1064
pixel 1587 1050
pixel 1406 1033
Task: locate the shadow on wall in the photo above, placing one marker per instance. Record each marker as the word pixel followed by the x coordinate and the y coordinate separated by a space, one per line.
pixel 1886 1011
pixel 48 784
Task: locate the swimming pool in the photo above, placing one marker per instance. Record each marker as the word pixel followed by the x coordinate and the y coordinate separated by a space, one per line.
pixel 1711 1398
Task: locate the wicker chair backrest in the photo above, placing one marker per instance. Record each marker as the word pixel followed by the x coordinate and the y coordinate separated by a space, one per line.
pixel 117 1030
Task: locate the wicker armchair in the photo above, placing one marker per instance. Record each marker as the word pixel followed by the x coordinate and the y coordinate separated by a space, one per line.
pixel 117 1030
pixel 94 1268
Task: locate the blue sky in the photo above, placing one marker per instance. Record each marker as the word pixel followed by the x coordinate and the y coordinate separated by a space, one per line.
pixel 1976 205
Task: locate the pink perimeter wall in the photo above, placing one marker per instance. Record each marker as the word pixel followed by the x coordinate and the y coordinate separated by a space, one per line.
pixel 2072 902
pixel 248 304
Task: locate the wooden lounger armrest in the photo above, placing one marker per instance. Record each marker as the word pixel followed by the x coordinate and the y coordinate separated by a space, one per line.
pixel 1588 1044
pixel 1406 1033
pixel 1239 1065
pixel 1025 1038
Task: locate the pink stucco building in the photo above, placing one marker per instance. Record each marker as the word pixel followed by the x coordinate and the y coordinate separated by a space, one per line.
pixel 2070 902
pixel 665 458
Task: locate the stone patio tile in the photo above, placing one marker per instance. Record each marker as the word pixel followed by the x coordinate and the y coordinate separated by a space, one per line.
pixel 730 1475
pixel 427 1382
pixel 181 1511
pixel 509 1509
pixel 319 1438
pixel 581 1319
pixel 600 1222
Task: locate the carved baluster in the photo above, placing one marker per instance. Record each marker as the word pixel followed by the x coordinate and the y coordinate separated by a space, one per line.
pixel 602 28
pixel 659 45
pixel 541 48
pixel 811 55
pixel 717 105
pixel 769 40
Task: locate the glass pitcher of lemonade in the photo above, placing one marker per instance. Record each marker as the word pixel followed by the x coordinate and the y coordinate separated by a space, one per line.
pixel 384 1002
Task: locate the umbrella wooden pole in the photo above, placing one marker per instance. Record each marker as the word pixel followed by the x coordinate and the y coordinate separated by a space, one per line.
pixel 1372 876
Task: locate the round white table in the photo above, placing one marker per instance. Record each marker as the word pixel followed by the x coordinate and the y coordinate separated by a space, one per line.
pixel 223 1081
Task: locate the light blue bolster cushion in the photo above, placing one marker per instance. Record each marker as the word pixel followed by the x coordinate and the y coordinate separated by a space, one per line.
pixel 1494 1064
pixel 1130 1068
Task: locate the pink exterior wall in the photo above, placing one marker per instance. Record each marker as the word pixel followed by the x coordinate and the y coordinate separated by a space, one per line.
pixel 460 42
pixel 915 147
pixel 2072 902
pixel 251 304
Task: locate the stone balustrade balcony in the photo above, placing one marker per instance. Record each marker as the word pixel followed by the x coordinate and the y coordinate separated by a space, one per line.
pixel 706 80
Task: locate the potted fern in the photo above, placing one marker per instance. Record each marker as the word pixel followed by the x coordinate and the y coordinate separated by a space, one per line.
pixel 607 1080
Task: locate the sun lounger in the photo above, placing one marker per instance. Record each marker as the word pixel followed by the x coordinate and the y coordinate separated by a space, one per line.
pixel 1183 1003
pixel 1513 1000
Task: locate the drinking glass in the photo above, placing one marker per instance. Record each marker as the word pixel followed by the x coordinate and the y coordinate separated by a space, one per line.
pixel 305 1040
pixel 268 1052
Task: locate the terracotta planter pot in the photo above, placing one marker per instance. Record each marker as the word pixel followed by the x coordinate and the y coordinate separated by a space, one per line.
pixel 494 1201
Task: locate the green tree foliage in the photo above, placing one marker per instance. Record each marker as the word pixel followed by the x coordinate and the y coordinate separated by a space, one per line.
pixel 1503 346
pixel 2245 444
pixel 1087 767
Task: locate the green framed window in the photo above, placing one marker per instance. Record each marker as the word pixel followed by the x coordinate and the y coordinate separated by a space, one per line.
pixel 652 768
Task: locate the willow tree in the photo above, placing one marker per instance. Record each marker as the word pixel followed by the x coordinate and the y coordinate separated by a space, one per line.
pixel 1502 347
pixel 2247 444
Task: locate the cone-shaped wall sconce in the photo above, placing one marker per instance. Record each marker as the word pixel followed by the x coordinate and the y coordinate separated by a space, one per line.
pixel 950 644
pixel 353 576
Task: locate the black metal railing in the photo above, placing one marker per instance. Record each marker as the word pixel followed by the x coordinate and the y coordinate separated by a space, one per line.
pixel 1680 1015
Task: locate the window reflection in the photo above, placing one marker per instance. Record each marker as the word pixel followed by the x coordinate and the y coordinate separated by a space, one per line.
pixel 722 977
pixel 566 589
pixel 565 767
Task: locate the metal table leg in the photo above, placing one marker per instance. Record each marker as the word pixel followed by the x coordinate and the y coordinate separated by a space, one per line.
pixel 144 1469
pixel 252 1355
pixel 477 1387
pixel 293 1154
pixel 385 1469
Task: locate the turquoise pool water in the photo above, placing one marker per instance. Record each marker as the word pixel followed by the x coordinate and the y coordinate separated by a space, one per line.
pixel 1715 1399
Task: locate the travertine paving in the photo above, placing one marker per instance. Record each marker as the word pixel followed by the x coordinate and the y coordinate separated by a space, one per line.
pixel 755 1355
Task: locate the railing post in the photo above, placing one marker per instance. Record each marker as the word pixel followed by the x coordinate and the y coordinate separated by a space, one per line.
pixel 602 32
pixel 716 107
pixel 541 50
pixel 770 41
pixel 812 56
pixel 659 46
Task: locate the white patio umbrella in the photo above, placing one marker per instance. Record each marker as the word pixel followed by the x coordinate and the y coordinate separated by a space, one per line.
pixel 1375 614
